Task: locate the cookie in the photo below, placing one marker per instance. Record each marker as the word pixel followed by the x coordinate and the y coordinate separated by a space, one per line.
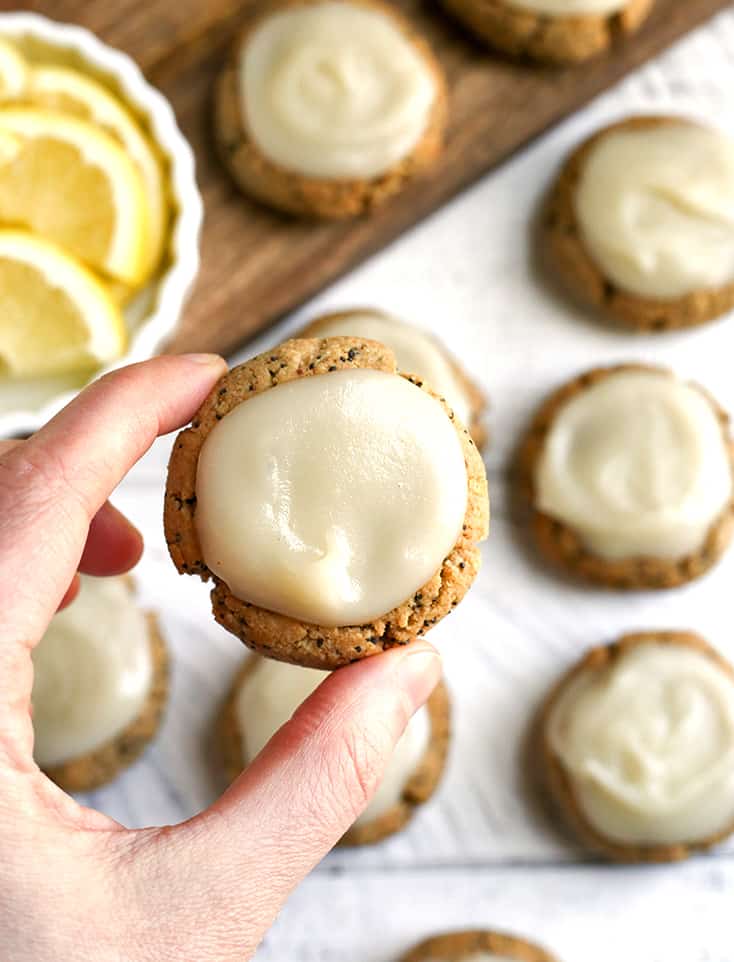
pixel 480 945
pixel 416 352
pixel 412 775
pixel 326 153
pixel 86 730
pixel 541 30
pixel 343 530
pixel 670 265
pixel 617 497
pixel 654 781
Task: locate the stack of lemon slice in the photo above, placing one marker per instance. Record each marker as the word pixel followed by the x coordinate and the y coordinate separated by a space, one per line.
pixel 83 218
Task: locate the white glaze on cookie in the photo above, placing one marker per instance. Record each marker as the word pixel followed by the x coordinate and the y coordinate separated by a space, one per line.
pixel 333 498
pixel 571 8
pixel 416 352
pixel 648 743
pixel 92 672
pixel 656 209
pixel 272 691
pixel 636 464
pixel 334 90
pixel 479 957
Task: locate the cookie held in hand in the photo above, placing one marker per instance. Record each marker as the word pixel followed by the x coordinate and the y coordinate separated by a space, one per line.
pixel 337 505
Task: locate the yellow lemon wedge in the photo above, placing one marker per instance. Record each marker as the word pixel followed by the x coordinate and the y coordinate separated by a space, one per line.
pixel 66 90
pixel 71 183
pixel 55 315
pixel 14 73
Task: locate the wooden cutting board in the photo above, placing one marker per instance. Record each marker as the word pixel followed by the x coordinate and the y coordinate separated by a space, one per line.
pixel 257 265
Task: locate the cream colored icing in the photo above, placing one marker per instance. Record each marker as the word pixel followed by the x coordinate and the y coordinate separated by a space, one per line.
pixel 334 90
pixel 572 8
pixel 637 464
pixel 332 498
pixel 92 672
pixel 481 957
pixel 656 209
pixel 415 351
pixel 649 745
pixel 270 694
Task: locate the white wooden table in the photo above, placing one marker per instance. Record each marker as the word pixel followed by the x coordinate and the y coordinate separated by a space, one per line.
pixel 481 853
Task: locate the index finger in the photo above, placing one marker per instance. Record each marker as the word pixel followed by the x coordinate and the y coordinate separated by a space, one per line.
pixel 52 485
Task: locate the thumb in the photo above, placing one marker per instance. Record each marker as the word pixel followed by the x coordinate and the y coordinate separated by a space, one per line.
pixel 233 866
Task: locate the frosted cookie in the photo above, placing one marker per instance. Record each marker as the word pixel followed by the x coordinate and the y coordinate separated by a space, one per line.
pixel 554 31
pixel 629 472
pixel 100 686
pixel 336 505
pixel 477 946
pixel 265 695
pixel 329 107
pixel 640 223
pixel 416 352
pixel 638 747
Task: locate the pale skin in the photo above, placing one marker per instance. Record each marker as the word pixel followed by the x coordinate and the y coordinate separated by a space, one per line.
pixel 74 884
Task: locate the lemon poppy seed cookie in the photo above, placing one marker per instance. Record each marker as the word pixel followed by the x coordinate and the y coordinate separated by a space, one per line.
pixel 328 107
pixel 478 945
pixel 638 747
pixel 416 352
pixel 337 505
pixel 265 695
pixel 554 31
pixel 640 223
pixel 100 686
pixel 629 474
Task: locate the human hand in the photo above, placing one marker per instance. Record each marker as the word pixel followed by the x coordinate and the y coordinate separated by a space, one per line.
pixel 74 884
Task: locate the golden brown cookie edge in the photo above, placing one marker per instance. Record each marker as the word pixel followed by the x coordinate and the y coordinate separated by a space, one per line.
pixel 560 544
pixel 323 198
pixel 549 39
pixel 102 765
pixel 560 785
pixel 478 401
pixel 458 946
pixel 278 636
pixel 566 255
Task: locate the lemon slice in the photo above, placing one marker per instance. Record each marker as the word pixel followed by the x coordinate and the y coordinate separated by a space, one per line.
pixel 13 73
pixel 55 316
pixel 73 184
pixel 60 88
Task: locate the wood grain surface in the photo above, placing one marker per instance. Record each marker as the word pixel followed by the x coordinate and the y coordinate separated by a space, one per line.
pixel 258 265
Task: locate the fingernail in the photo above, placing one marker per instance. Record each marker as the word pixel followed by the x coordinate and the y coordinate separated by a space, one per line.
pixel 207 360
pixel 419 673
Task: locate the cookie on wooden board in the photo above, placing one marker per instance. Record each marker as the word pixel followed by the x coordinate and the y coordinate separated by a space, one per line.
pixel 553 31
pixel 361 106
pixel 265 694
pixel 477 945
pixel 340 505
pixel 633 226
pixel 100 686
pixel 637 747
pixel 416 352
pixel 628 472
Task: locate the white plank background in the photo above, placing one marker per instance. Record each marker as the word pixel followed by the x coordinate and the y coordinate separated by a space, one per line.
pixel 481 854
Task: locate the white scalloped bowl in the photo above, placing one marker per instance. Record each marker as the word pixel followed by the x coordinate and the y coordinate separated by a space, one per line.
pixel 155 313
